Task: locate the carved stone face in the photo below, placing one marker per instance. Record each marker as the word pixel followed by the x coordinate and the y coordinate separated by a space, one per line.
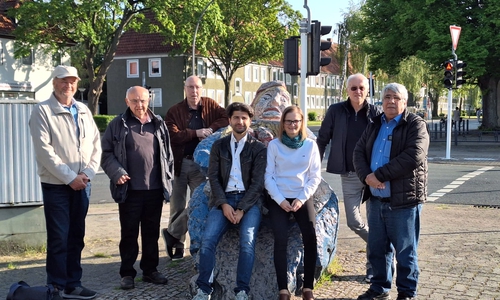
pixel 270 101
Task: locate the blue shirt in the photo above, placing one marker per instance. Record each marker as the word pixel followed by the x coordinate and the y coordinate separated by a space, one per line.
pixel 381 152
pixel 74 112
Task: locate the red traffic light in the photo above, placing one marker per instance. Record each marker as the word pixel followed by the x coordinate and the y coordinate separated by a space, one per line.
pixel 448 66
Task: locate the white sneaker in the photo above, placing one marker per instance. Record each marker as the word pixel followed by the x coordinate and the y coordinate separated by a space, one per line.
pixel 242 296
pixel 201 295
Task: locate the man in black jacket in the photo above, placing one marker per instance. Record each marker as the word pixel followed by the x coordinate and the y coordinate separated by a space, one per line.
pixel 342 127
pixel 138 160
pixel 236 175
pixel 391 159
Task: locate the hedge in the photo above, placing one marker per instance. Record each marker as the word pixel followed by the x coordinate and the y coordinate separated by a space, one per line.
pixel 102 121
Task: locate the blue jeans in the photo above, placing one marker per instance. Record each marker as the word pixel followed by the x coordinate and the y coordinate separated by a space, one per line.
pixel 217 225
pixel 65 211
pixel 401 229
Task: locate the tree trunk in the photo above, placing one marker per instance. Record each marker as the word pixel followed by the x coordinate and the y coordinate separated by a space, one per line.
pixel 491 103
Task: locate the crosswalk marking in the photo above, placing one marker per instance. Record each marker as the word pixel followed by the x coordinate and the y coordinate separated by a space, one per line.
pixel 456 183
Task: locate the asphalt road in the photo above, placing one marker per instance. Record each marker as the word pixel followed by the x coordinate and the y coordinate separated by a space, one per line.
pixel 458 184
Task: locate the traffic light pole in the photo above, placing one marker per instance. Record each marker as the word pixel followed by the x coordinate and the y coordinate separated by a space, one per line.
pixel 304 29
pixel 448 119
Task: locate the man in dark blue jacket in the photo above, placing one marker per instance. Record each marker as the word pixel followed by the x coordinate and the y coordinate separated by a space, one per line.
pixel 236 175
pixel 342 127
pixel 391 159
pixel 138 160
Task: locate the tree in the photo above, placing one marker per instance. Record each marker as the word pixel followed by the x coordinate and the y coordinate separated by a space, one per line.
pixel 94 25
pixel 232 33
pixel 399 29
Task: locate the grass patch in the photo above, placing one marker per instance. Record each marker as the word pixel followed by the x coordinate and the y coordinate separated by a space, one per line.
pixel 313 123
pixel 333 269
pixel 11 266
pixel 102 255
pixel 9 248
pixel 443 206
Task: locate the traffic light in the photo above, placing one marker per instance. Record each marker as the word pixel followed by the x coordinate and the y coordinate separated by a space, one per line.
pixel 449 73
pixel 291 63
pixel 314 47
pixel 459 73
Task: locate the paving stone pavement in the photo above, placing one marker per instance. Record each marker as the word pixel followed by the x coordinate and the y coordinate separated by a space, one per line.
pixel 459 257
pixel 459 252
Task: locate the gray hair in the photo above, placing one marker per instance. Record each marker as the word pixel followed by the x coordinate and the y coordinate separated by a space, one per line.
pixel 130 89
pixel 365 80
pixel 396 88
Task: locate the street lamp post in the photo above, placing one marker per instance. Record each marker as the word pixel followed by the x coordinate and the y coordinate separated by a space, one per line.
pixel 81 93
pixel 196 31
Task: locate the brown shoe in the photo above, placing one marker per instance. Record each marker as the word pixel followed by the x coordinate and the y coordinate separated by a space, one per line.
pixel 284 296
pixel 307 295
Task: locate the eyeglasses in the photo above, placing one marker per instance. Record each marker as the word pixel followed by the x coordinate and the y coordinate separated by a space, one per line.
pixel 354 88
pixel 137 101
pixel 294 122
pixel 194 87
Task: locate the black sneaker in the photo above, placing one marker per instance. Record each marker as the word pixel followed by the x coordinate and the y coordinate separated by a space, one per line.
pixel 127 283
pixel 170 242
pixel 155 277
pixel 402 296
pixel 372 295
pixel 56 295
pixel 78 292
pixel 178 255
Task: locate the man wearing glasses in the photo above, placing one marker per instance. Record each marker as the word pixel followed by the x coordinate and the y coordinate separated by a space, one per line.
pixel 188 122
pixel 139 163
pixel 342 127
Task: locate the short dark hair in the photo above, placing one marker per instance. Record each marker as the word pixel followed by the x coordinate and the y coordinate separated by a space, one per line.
pixel 238 106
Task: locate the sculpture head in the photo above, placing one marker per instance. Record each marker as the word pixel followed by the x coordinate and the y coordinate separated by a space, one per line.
pixel 270 101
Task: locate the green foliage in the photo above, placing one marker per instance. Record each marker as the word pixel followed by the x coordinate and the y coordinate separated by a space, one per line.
pixel 312 115
pixel 102 121
pixel 396 30
pixel 231 33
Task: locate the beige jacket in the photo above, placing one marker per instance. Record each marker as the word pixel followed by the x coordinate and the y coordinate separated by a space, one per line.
pixel 60 155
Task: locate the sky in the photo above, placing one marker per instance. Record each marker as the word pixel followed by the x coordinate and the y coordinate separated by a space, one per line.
pixel 327 12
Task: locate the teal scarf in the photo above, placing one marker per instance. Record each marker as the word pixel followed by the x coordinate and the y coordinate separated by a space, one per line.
pixel 293 143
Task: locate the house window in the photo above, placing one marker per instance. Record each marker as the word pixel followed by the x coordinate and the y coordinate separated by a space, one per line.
pixel 288 79
pixel 154 67
pixel 201 68
pixel 275 74
pixel 263 74
pixel 237 86
pixel 132 68
pixel 210 70
pixel 1 53
pixel 248 97
pixel 280 75
pixel 29 59
pixel 248 73
pixel 156 100
pixel 220 97
pixel 295 90
pixel 255 74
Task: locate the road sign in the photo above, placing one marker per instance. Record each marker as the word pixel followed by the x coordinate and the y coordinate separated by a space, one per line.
pixel 455 35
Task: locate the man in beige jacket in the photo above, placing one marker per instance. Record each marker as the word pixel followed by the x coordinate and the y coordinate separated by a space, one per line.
pixel 68 151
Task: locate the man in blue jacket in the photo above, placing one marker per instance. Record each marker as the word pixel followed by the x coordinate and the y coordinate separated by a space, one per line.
pixel 342 127
pixel 391 159
pixel 138 160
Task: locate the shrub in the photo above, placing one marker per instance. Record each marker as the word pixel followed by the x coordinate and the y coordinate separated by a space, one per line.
pixel 311 116
pixel 102 121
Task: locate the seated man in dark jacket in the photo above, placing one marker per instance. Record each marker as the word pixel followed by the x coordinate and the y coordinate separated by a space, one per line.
pixel 236 176
pixel 391 158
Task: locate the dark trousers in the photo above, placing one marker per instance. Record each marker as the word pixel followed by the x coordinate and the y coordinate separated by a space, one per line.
pixel 65 211
pixel 306 219
pixel 140 208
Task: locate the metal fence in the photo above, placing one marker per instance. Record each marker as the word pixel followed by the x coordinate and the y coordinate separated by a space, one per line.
pixel 19 182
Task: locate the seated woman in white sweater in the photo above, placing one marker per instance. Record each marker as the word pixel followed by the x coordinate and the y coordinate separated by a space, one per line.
pixel 293 174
